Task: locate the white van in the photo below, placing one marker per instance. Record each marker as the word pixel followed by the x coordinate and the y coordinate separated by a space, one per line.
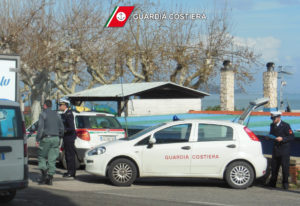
pixel 13 151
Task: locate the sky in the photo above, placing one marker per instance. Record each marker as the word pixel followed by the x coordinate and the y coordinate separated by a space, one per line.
pixel 270 27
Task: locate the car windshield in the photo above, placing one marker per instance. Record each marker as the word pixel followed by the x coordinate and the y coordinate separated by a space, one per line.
pixel 10 123
pixel 97 122
pixel 144 131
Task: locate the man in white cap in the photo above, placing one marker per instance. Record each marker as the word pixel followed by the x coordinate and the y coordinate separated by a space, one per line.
pixel 281 149
pixel 69 137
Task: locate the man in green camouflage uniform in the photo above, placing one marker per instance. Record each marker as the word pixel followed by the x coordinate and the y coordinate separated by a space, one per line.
pixel 50 129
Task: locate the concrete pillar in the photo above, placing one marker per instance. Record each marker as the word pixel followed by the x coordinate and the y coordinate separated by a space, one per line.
pixel 227 87
pixel 270 87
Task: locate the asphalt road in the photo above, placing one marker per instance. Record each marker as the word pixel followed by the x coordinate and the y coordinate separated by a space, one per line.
pixel 91 190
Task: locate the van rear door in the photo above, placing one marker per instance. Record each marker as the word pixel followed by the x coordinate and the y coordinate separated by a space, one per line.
pixel 11 144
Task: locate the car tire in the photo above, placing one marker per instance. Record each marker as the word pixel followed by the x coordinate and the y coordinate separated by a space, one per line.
pixel 239 175
pixel 7 196
pixel 64 162
pixel 122 172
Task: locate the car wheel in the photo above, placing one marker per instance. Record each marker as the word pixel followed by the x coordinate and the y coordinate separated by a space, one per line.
pixel 239 175
pixel 122 172
pixel 7 196
pixel 64 162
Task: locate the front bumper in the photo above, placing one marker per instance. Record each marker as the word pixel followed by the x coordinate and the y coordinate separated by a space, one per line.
pixel 95 165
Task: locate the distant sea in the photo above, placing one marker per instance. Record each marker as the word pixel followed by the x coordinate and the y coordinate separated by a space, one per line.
pixel 241 100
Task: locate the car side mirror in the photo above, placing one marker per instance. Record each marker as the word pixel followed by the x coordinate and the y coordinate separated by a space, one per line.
pixel 151 142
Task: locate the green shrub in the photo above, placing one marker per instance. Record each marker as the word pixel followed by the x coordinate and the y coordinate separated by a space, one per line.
pixel 213 108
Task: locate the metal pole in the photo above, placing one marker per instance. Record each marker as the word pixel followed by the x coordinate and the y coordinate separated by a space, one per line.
pixel 280 95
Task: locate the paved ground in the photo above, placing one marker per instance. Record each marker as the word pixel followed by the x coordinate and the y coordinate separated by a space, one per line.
pixel 91 190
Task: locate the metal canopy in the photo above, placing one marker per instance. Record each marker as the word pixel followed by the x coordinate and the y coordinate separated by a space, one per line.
pixel 145 90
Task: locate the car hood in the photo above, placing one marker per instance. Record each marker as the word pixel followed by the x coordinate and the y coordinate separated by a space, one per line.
pixel 116 143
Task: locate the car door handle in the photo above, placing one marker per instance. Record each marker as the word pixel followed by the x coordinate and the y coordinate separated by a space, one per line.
pixel 5 149
pixel 231 146
pixel 186 147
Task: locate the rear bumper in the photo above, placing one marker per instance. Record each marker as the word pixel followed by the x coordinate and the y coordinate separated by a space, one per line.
pixel 81 153
pixel 260 166
pixel 13 185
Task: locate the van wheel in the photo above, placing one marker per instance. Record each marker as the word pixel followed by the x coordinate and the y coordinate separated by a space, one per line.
pixel 64 162
pixel 122 172
pixel 7 196
pixel 239 175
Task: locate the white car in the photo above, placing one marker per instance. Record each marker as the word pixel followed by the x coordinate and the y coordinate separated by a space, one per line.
pixel 92 129
pixel 187 148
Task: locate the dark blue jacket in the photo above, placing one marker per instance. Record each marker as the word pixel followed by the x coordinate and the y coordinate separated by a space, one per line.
pixel 69 127
pixel 282 130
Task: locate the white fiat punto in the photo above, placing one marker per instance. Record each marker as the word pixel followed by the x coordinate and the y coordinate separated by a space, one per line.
pixel 184 148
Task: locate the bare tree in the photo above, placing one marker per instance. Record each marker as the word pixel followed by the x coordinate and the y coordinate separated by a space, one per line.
pixel 63 50
pixel 58 48
pixel 188 52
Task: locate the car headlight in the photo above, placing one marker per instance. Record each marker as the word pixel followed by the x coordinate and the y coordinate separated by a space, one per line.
pixel 97 151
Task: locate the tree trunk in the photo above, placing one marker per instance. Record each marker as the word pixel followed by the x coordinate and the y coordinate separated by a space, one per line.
pixel 35 110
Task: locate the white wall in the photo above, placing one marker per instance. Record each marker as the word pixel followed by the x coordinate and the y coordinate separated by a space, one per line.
pixel 141 107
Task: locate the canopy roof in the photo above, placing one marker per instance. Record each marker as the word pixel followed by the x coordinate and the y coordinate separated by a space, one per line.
pixel 145 90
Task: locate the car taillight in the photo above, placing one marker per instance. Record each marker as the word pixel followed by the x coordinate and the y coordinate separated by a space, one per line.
pixel 251 134
pixel 83 134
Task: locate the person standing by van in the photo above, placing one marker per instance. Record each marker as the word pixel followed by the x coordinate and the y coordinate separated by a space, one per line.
pixel 69 137
pixel 50 128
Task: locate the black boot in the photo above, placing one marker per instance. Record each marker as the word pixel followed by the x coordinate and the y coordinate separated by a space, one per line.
pixel 42 179
pixel 49 180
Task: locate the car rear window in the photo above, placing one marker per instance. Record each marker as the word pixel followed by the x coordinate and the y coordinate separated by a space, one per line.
pixel 10 123
pixel 211 132
pixel 97 122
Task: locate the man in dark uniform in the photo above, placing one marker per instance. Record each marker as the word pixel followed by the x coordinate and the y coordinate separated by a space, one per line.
pixel 50 128
pixel 69 137
pixel 281 149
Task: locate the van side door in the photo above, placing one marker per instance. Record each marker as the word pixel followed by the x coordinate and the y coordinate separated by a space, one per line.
pixel 11 144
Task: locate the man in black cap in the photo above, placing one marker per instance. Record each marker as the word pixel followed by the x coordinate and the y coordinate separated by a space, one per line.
pixel 69 137
pixel 281 149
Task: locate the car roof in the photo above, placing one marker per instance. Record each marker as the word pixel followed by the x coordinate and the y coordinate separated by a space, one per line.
pixel 207 121
pixel 92 114
pixel 6 102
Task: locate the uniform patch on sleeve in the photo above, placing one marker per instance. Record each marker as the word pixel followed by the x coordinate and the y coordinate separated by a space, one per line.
pixel 290 131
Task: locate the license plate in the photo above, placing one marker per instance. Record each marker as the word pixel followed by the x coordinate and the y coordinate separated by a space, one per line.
pixel 107 138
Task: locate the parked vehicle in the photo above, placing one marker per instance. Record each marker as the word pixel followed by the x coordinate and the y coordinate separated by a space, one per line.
pixel 184 148
pixel 13 151
pixel 92 128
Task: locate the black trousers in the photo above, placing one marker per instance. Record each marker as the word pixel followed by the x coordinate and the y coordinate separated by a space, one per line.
pixel 70 153
pixel 284 162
